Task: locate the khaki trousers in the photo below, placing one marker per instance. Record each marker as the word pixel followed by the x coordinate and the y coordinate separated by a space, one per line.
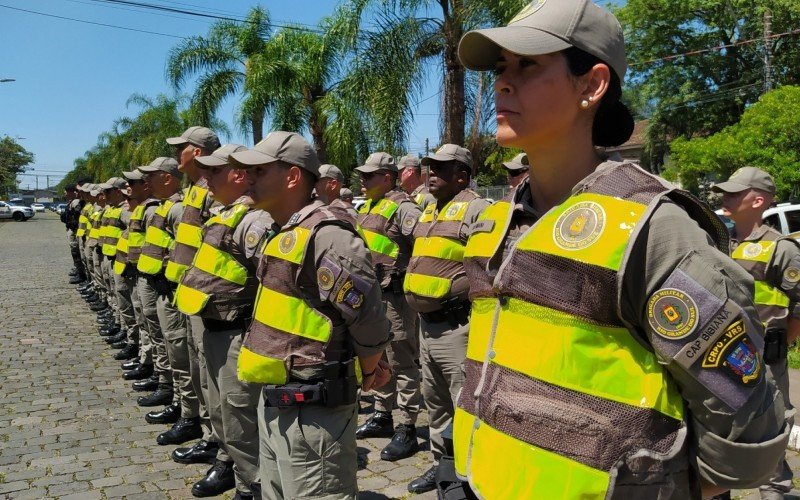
pixel 403 356
pixel 781 482
pixel 232 405
pixel 173 324
pixel 128 302
pixel 107 270
pixel 308 452
pixel 75 251
pixel 97 273
pixel 198 372
pixel 149 299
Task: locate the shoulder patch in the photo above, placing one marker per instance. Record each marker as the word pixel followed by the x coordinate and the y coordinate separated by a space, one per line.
pixel 791 275
pixel 408 222
pixel 350 295
pixel 736 354
pixel 672 313
pixel 325 278
pixel 251 239
pixel 287 242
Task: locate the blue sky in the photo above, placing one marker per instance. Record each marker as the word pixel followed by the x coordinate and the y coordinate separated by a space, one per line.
pixel 72 79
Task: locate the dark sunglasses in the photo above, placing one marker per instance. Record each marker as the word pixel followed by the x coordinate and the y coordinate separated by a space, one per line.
pixel 369 175
pixel 515 173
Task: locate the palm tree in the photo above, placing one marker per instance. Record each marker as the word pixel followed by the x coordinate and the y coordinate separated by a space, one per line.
pixel 222 60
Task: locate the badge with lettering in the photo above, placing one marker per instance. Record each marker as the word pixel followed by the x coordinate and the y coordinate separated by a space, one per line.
pixel 791 275
pixel 251 239
pixel 453 210
pixel 350 295
pixel 579 226
pixel 286 244
pixel 408 222
pixel 325 278
pixel 294 219
pixel 734 352
pixel 752 250
pixel 528 10
pixel 672 313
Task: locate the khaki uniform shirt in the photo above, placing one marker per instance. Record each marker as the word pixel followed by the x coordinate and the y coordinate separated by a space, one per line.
pixel 401 230
pixel 426 200
pixel 338 202
pixel 735 446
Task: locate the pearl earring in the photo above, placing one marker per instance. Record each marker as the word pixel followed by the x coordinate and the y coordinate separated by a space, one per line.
pixel 584 104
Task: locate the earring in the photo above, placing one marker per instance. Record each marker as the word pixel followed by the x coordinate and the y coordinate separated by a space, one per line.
pixel 584 104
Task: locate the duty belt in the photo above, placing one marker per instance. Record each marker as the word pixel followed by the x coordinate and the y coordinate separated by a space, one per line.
pixel 454 311
pixel 338 387
pixel 396 279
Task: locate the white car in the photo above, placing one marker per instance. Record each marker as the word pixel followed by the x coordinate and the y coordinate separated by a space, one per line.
pixel 10 210
pixel 37 207
pixel 783 217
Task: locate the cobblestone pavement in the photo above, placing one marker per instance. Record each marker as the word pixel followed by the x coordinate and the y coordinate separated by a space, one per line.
pixel 69 425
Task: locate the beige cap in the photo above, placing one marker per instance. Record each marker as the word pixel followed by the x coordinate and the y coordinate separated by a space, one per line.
pixel 409 160
pixel 449 152
pixel 114 183
pixel 202 137
pixel 95 190
pixel 519 162
pixel 378 161
pixel 288 147
pixel 219 158
pixel 747 178
pixel 134 175
pixel 345 193
pixel 164 164
pixel 331 172
pixel 547 26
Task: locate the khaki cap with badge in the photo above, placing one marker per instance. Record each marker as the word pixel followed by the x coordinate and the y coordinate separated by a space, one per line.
pixel 219 158
pixel 202 137
pixel 518 163
pixel 162 164
pixel 378 161
pixel 95 190
pixel 449 152
pixel 409 160
pixel 747 178
pixel 328 171
pixel 545 27
pixel 288 147
pixel 114 183
pixel 134 175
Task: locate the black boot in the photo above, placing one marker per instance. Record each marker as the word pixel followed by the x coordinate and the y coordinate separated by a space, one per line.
pixel 169 415
pixel 148 384
pixel 129 351
pixel 99 306
pixel 202 452
pixel 403 444
pixel 117 337
pixel 122 344
pixel 142 372
pixel 162 396
pixel 426 482
pixel 130 365
pixel 110 331
pixel 185 429
pixel 75 280
pixel 378 425
pixel 218 480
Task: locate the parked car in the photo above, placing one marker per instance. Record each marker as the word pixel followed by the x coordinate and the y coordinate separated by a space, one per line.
pixel 60 208
pixel 358 202
pixel 19 213
pixel 783 217
pixel 37 207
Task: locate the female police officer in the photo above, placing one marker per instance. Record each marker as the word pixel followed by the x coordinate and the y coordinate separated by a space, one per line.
pixel 614 351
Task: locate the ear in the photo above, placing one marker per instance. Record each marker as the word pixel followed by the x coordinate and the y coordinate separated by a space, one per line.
pixel 294 177
pixel 759 201
pixel 594 84
pixel 197 152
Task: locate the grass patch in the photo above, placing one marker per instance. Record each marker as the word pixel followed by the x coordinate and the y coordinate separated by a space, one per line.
pixel 794 355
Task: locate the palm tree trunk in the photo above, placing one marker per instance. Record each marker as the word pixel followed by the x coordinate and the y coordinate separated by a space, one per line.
pixel 316 125
pixel 257 122
pixel 453 101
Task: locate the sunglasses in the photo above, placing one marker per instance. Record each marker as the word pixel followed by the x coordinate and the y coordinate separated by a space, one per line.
pixel 515 173
pixel 369 175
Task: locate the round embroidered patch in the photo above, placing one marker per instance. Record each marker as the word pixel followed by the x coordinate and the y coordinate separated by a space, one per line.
pixel 579 226
pixel 752 250
pixel 287 242
pixel 325 278
pixel 672 313
pixel 791 274
pixel 251 239
pixel 528 10
pixel 452 211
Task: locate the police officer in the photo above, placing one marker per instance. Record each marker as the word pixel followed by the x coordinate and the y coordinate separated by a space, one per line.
pixel 387 222
pixel 194 142
pixel 70 218
pixel 87 288
pixel 329 189
pixel 774 262
pixel 111 229
pixel 318 332
pixel 436 286
pixel 220 288
pixel 516 170
pixel 411 181
pixel 613 351
pixel 346 196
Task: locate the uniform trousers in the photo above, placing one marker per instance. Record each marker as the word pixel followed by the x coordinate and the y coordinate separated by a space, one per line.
pixel 97 273
pixel 232 405
pixel 82 252
pixel 442 353
pixel 403 356
pixel 107 270
pixel 199 373
pixel 308 452
pixel 149 299
pixel 173 325
pixel 128 303
pixel 781 482
pixel 75 251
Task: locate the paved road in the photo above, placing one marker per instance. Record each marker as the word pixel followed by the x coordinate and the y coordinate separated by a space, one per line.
pixel 69 425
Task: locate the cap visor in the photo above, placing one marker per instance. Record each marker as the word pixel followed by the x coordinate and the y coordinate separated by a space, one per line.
pixel 147 169
pixel 176 141
pixel 729 187
pixel 133 176
pixel 514 167
pixel 250 158
pixel 367 169
pixel 210 161
pixel 426 160
pixel 479 49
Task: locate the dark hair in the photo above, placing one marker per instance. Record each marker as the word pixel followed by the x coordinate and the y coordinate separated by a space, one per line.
pixel 309 179
pixel 613 123
pixel 69 187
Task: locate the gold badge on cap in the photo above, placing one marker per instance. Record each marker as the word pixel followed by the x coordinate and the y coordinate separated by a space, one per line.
pixel 528 10
pixel 672 313
pixel 579 226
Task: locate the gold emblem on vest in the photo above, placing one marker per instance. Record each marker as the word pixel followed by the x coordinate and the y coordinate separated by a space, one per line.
pixel 452 211
pixel 287 242
pixel 579 226
pixel 791 275
pixel 672 313
pixel 325 278
pixel 752 250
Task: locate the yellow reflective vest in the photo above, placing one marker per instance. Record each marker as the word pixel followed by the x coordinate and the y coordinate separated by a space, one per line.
pixel 189 235
pixel 110 231
pixel 755 257
pixel 157 240
pixel 373 222
pixel 83 220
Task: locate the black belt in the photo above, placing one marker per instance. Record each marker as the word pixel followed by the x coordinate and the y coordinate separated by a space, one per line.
pixel 776 347
pixel 454 311
pixel 338 387
pixel 218 325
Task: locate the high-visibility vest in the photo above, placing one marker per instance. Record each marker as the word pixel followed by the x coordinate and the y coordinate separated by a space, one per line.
pixel 83 220
pixel 755 257
pixel 215 272
pixel 438 251
pixel 111 230
pixel 157 241
pixel 288 330
pixel 134 236
pixel 94 226
pixel 373 222
pixel 558 392
pixel 189 234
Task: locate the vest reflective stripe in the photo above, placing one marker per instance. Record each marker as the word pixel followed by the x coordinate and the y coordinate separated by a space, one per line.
pixel 157 241
pixel 372 226
pixel 94 229
pixel 379 243
pixel 577 358
pixel 83 220
pixel 768 295
pixel 754 257
pixel 121 259
pixel 111 230
pixel 136 232
pixel 189 234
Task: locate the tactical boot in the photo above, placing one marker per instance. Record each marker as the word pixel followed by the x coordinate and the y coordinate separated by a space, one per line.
pixel 218 480
pixel 162 396
pixel 99 306
pixel 142 372
pixel 148 384
pixel 129 351
pixel 185 429
pixel 118 337
pixel 122 344
pixel 378 425
pixel 74 280
pixel 169 415
pixel 202 452
pixel 130 365
pixel 84 287
pixel 109 331
pixel 403 444
pixel 426 482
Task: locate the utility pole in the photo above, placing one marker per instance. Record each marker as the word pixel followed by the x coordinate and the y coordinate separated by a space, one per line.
pixel 427 148
pixel 767 50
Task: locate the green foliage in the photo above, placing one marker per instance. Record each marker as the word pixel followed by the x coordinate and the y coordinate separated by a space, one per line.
pixel 492 173
pixel 767 136
pixel 13 160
